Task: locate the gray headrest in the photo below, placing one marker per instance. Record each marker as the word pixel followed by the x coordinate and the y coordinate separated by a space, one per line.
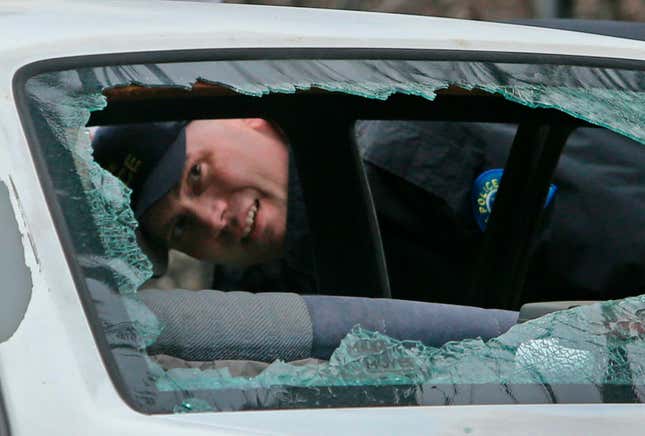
pixel 216 325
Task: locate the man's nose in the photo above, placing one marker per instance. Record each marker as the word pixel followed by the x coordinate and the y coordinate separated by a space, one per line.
pixel 210 214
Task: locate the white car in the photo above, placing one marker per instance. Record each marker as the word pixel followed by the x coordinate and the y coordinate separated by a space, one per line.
pixel 84 351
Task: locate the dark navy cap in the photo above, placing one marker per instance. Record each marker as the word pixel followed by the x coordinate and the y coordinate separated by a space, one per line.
pixel 149 158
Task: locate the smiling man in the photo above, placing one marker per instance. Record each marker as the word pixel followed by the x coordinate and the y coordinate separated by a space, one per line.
pixel 230 202
pixel 214 189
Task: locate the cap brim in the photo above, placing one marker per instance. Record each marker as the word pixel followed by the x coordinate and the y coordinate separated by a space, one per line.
pixel 164 176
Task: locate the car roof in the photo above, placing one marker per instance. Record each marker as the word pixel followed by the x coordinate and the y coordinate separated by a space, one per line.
pixel 618 29
pixel 61 28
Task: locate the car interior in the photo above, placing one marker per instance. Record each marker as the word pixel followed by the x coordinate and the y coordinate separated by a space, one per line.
pixel 349 256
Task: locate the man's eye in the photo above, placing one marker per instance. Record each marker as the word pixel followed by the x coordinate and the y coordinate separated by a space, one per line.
pixel 195 172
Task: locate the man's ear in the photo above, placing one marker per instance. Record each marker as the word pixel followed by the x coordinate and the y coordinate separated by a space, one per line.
pixel 263 126
pixel 256 123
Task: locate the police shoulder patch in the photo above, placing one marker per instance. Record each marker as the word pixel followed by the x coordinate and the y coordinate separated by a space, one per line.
pixel 483 195
pixel 485 190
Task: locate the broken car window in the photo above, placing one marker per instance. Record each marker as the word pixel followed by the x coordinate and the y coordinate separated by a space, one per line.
pixel 285 350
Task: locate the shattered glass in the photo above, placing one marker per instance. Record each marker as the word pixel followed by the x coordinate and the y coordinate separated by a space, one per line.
pixel 593 345
pixel 104 228
pixel 583 92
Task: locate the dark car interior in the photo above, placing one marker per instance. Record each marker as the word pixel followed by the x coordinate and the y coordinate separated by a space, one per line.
pixel 349 256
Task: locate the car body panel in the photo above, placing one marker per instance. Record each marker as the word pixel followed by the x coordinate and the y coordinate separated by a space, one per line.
pixel 180 25
pixel 52 376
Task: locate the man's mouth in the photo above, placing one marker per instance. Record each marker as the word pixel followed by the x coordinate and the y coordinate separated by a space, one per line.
pixel 250 219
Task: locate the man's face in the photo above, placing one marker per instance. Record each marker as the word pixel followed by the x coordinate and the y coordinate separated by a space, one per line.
pixel 230 206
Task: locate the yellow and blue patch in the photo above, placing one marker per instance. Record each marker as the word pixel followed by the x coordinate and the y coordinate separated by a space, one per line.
pixel 485 190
